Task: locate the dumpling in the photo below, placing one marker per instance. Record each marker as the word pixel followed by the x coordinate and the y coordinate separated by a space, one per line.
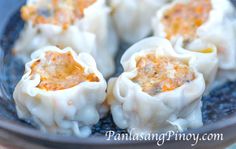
pixel 159 90
pixel 68 23
pixel 61 92
pixel 206 58
pixel 210 20
pixel 132 18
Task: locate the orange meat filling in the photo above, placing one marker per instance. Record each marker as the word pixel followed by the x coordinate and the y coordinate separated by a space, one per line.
pixel 58 12
pixel 184 19
pixel 60 71
pixel 160 74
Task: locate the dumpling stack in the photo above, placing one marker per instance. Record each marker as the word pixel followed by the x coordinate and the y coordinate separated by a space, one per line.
pixel 163 78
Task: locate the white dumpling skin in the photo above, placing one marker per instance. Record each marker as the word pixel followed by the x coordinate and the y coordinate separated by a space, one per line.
pixel 132 18
pixel 206 58
pixel 140 112
pixel 34 37
pixel 218 30
pixel 97 21
pixel 70 111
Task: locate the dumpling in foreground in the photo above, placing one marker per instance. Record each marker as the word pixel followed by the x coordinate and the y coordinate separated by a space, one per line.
pixel 213 21
pixel 158 91
pixel 83 25
pixel 61 92
pixel 132 18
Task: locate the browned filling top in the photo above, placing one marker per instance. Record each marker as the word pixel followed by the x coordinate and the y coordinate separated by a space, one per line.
pixel 60 71
pixel 184 19
pixel 161 74
pixel 58 12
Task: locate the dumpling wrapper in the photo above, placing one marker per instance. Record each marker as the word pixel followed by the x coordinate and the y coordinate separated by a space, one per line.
pixel 140 112
pixel 206 58
pixel 218 29
pixel 68 111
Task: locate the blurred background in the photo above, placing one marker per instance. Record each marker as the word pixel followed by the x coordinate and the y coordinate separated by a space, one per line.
pixel 5 5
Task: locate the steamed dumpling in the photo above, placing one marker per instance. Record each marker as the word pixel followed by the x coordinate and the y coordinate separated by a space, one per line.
pixel 61 92
pixel 212 21
pixel 132 18
pixel 68 23
pixel 159 89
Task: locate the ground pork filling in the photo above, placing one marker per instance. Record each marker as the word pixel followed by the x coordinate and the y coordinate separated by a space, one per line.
pixel 60 71
pixel 58 12
pixel 185 18
pixel 161 74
